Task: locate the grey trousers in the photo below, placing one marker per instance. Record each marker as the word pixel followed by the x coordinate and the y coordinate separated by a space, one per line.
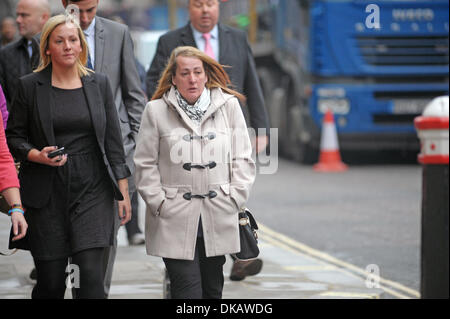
pixel 111 251
pixel 110 257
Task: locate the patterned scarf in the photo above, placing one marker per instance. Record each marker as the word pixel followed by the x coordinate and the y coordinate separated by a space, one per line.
pixel 196 111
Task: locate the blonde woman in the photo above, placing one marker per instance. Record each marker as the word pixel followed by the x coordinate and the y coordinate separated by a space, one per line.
pixel 194 171
pixel 69 198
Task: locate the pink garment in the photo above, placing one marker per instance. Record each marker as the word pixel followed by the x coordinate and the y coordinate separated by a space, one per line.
pixel 3 108
pixel 8 174
pixel 208 47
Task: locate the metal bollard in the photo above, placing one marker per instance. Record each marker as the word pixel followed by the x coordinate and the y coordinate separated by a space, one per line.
pixel 433 132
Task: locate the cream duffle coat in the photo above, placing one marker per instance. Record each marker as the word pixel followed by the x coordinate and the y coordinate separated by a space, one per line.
pixel 196 170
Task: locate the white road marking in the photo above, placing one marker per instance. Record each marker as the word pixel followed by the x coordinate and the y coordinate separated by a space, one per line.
pixel 269 235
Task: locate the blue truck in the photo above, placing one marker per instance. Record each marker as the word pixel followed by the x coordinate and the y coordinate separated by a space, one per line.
pixel 376 64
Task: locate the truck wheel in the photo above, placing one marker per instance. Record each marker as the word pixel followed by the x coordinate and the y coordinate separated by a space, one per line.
pixel 267 78
pixel 279 118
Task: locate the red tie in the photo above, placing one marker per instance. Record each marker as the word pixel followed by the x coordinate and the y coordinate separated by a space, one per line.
pixel 208 47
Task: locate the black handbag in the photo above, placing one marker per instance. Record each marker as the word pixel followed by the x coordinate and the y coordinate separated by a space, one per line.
pixel 248 236
pixel 15 245
pixel 10 241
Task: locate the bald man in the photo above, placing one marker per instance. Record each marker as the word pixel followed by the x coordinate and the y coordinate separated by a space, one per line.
pixel 22 56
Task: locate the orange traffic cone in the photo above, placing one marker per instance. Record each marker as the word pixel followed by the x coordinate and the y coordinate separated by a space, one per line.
pixel 330 157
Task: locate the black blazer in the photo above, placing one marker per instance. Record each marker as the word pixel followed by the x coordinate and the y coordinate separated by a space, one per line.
pixel 30 126
pixel 14 63
pixel 234 52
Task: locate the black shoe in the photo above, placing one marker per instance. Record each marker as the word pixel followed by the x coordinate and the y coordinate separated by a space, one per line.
pixel 166 286
pixel 136 239
pixel 244 268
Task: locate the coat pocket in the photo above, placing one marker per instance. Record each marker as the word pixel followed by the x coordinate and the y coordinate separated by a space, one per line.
pixel 225 188
pixel 174 203
pixel 171 192
pixel 228 199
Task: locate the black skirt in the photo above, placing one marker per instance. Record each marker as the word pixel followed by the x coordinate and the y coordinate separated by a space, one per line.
pixel 80 214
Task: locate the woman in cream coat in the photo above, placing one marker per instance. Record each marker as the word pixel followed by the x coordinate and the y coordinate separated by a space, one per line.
pixel 194 171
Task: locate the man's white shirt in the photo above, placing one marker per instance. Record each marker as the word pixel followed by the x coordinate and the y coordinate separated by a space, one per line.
pixel 89 33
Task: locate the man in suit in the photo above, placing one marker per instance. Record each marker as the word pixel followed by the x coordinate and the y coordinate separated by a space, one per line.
pixel 111 53
pixel 230 47
pixel 22 56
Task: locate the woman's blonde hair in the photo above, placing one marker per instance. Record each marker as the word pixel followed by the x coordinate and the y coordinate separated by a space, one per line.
pixel 49 27
pixel 217 77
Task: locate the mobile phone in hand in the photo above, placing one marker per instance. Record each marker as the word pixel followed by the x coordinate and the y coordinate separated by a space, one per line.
pixel 59 151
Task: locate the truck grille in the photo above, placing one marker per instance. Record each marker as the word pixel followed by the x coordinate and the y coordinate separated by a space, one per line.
pixel 406 105
pixel 404 51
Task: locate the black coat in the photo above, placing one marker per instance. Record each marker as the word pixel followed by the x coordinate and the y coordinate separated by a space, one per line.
pixel 234 52
pixel 30 125
pixel 15 63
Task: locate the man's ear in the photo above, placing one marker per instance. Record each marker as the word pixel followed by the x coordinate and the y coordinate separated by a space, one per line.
pixel 45 16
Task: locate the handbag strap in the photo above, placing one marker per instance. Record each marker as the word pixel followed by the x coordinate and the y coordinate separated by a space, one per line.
pixel 252 219
pixel 245 214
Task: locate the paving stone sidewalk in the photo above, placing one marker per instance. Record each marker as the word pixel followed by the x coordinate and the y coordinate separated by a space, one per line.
pixel 285 274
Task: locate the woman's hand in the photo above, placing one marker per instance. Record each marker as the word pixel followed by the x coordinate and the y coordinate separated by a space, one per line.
pixel 20 226
pixel 125 204
pixel 160 206
pixel 41 157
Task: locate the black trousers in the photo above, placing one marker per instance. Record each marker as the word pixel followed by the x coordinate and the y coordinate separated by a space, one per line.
pixel 86 266
pixel 132 226
pixel 201 278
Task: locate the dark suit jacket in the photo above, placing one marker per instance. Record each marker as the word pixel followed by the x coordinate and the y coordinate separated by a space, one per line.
pixel 30 126
pixel 234 52
pixel 14 63
pixel 114 57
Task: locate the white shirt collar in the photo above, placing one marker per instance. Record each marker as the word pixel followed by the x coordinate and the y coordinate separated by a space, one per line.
pixel 90 31
pixel 199 35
